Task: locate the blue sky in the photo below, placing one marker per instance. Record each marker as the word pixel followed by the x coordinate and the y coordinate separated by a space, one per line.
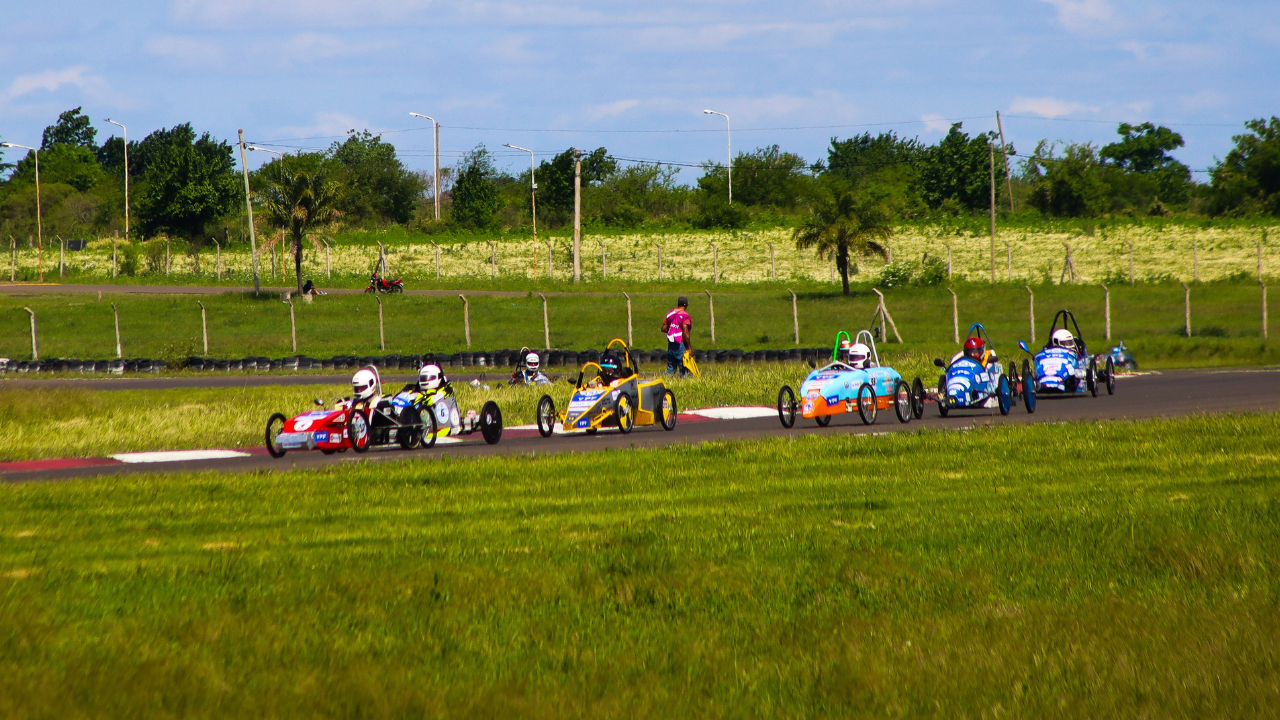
pixel 497 72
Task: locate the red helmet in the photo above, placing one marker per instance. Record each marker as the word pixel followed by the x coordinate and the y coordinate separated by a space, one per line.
pixel 973 347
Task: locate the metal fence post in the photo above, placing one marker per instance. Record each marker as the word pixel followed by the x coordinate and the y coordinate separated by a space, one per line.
pixel 955 317
pixel 1186 307
pixel 1264 312
pixel 795 317
pixel 13 261
pixel 1195 262
pixel 773 263
pixel 711 313
pixel 493 261
pixel 62 255
pixel 630 342
pixel 204 327
pixel 1106 305
pixel 437 247
pixel 119 348
pixel 466 318
pixel 884 314
pixel 715 264
pixel 546 323
pixel 550 267
pixel 382 334
pixel 948 245
pixel 35 340
pixel 1031 313
pixel 217 264
pixel 659 262
pixel 293 323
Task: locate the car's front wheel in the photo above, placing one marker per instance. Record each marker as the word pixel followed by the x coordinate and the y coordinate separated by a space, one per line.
pixel 868 404
pixel 275 425
pixel 787 406
pixel 902 401
pixel 546 416
pixel 358 430
pixel 669 410
pixel 942 396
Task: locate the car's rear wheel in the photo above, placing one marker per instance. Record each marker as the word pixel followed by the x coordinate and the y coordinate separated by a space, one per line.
pixel 868 404
pixel 491 422
pixel 787 406
pixel 669 410
pixel 1111 376
pixel 358 430
pixel 409 434
pixel 1013 381
pixel 1004 395
pixel 546 416
pixel 1091 377
pixel 275 426
pixel 917 398
pixel 902 401
pixel 942 396
pixel 823 420
pixel 625 412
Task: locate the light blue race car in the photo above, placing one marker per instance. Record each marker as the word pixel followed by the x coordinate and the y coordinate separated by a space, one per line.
pixel 975 380
pixel 1065 367
pixel 853 378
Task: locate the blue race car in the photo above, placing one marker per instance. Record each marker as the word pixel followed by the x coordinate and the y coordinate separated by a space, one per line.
pixel 853 378
pixel 1065 367
pixel 974 379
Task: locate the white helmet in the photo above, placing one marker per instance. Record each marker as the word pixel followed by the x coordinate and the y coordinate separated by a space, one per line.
pixel 860 356
pixel 365 383
pixel 430 377
pixel 1063 338
pixel 532 361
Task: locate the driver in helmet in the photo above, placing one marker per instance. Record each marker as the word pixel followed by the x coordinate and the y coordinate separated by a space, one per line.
pixel 859 356
pixel 438 397
pixel 612 369
pixel 1062 338
pixel 529 372
pixel 975 349
pixel 366 390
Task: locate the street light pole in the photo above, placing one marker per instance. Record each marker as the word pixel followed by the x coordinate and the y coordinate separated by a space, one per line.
pixel 533 201
pixel 435 151
pixel 248 203
pixel 39 221
pixel 126 176
pixel 729 144
pixel 283 231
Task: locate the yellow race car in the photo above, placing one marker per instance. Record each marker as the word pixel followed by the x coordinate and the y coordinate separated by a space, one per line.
pixel 610 394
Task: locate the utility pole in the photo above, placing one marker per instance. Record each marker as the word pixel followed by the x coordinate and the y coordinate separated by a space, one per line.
pixel 39 215
pixel 248 204
pixel 436 151
pixel 1008 175
pixel 993 212
pixel 533 203
pixel 729 145
pixel 577 215
pixel 126 177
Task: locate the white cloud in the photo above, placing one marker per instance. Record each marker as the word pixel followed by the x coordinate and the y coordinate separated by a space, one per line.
pixel 1202 100
pixel 51 80
pixel 312 45
pixel 934 122
pixel 613 109
pixel 335 13
pixel 184 48
pixel 327 126
pixel 1152 53
pixel 1048 107
pixel 1082 14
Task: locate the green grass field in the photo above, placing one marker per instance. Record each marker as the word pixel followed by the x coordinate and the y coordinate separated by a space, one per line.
pixel 1226 321
pixel 947 574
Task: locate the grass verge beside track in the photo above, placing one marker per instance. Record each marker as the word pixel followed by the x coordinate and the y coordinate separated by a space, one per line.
pixel 1081 570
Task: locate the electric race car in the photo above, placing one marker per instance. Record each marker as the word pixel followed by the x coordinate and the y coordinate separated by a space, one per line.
pixel 610 394
pixel 974 379
pixel 413 417
pixel 853 378
pixel 1065 367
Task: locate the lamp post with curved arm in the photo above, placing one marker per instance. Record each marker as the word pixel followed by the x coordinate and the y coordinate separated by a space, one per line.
pixel 435 144
pixel 729 144
pixel 126 176
pixel 533 199
pixel 39 221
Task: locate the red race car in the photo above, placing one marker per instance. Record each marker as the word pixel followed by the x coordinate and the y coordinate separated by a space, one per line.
pixel 325 430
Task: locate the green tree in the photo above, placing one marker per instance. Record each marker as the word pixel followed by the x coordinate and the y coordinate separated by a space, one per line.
pixel 476 200
pixel 372 181
pixel 73 165
pixel 884 164
pixel 188 183
pixel 1248 179
pixel 73 128
pixel 555 178
pixel 298 194
pixel 1144 150
pixel 765 177
pixel 1073 185
pixel 844 221
pixel 958 170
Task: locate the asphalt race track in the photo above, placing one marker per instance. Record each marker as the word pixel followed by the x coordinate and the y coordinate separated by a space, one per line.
pixel 1171 393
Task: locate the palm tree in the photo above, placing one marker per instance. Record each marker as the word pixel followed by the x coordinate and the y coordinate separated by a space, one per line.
pixel 298 196
pixel 842 223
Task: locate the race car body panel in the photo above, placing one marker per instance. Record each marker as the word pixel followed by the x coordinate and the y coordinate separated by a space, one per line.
pixel 1060 370
pixel 833 389
pixel 971 385
pixel 319 429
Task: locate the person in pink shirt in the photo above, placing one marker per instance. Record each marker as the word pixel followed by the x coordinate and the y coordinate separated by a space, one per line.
pixel 678 328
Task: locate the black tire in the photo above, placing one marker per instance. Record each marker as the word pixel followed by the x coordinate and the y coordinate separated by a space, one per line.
pixel 1111 376
pixel 625 412
pixel 1029 394
pixel 1028 378
pixel 491 422
pixel 942 396
pixel 1013 382
pixel 1091 377
pixel 328 451
pixel 546 416
pixel 409 434
pixel 868 404
pixel 275 425
pixel 917 398
pixel 358 431
pixel 787 407
pixel 669 410
pixel 592 430
pixel 1004 394
pixel 429 429
pixel 823 420
pixel 902 401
